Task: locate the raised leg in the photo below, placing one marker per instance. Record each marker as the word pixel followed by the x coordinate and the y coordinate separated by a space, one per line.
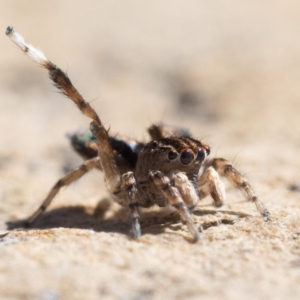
pixel 210 184
pixel 225 168
pixel 64 84
pixel 66 180
pixel 173 196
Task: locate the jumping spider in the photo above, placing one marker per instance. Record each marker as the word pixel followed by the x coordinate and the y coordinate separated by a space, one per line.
pixel 172 169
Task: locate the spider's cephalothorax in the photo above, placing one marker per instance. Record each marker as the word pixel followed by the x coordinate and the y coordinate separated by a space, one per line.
pixel 169 156
pixel 172 169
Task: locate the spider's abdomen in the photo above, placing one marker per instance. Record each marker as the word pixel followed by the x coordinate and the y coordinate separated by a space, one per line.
pixel 125 150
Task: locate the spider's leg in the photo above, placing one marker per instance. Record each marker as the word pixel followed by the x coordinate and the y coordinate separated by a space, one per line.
pixel 60 79
pixel 64 84
pixel 66 180
pixel 226 169
pixel 108 163
pixel 129 185
pixel 160 130
pixel 209 183
pixel 174 198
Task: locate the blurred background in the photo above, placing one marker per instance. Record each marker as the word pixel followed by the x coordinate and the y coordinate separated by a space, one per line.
pixel 226 70
pixel 229 72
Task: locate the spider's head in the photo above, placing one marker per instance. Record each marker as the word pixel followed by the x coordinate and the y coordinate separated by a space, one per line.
pixel 170 154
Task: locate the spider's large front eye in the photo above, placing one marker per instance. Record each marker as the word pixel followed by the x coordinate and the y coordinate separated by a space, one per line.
pixel 186 157
pixel 200 155
pixel 172 155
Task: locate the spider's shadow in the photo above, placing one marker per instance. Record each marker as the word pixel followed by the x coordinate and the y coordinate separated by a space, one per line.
pixel 71 217
pixel 154 222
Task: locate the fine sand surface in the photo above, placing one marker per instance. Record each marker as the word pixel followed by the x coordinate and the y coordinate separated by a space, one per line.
pixel 228 71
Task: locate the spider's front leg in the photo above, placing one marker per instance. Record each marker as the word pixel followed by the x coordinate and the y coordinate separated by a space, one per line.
pixel 106 156
pixel 122 187
pixel 175 199
pixel 225 168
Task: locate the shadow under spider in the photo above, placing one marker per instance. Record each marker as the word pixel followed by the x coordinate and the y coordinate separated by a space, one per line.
pixel 154 222
pixel 71 217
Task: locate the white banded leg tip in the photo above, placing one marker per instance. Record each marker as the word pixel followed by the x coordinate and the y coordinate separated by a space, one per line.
pixel 9 30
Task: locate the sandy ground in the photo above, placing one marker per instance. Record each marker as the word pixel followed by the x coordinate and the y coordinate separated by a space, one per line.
pixel 228 71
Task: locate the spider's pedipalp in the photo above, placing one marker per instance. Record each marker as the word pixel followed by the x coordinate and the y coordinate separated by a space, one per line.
pixel 186 190
pixel 174 198
pixel 209 183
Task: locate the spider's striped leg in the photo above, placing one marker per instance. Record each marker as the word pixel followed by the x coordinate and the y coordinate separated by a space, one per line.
pixel 105 151
pixel 108 163
pixel 59 78
pixel 64 84
pixel 226 169
pixel 129 187
pixel 66 180
pixel 174 198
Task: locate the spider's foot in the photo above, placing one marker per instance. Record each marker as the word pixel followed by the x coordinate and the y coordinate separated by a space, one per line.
pixel 194 238
pixel 266 214
pixel 136 230
pixel 8 30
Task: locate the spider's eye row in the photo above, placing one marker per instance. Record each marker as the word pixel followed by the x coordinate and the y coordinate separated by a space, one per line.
pixel 186 157
pixel 200 155
pixel 172 155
